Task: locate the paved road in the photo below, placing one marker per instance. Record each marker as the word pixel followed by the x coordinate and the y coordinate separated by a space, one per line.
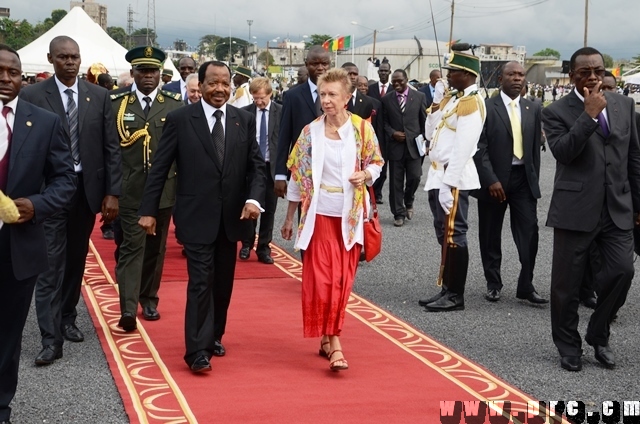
pixel 510 338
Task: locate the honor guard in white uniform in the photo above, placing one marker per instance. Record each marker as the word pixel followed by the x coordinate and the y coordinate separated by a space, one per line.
pixel 242 96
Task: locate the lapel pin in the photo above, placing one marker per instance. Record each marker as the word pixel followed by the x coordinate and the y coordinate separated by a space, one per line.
pixel 88 99
pixel 237 124
pixel 29 123
pixel 526 107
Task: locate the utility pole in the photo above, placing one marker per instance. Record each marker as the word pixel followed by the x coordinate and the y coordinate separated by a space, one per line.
pixel 586 21
pixel 373 53
pixel 453 6
pixel 129 27
pixel 151 21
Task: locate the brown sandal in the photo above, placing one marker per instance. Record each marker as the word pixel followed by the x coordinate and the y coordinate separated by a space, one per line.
pixel 323 352
pixel 334 367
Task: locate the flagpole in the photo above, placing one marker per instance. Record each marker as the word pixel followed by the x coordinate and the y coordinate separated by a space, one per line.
pixel 435 34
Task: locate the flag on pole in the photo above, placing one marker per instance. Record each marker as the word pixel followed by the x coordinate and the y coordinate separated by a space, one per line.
pixel 452 42
pixel 616 72
pixel 325 45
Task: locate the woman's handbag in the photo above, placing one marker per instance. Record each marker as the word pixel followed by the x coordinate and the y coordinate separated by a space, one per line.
pixel 372 229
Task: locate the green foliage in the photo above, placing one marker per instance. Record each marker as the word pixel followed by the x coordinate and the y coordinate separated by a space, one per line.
pixel 57 15
pixel 636 60
pixel 548 52
pixel 608 60
pixel 262 57
pixel 317 40
pixel 218 46
pixel 119 35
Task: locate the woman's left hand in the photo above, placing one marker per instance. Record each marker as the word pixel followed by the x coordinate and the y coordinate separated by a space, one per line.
pixel 358 178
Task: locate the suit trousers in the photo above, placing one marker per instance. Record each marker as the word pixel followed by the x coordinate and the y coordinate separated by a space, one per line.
pixel 524 228
pixel 267 218
pixel 141 260
pixel 379 183
pixel 401 195
pixel 211 269
pixel 460 225
pixel 570 254
pixel 15 300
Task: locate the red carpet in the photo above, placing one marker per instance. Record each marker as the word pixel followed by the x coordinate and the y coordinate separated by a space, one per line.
pixel 271 374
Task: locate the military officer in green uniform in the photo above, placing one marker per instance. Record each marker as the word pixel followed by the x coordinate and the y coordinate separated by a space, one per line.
pixel 140 116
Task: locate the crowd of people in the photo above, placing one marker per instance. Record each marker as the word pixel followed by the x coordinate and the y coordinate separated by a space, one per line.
pixel 213 151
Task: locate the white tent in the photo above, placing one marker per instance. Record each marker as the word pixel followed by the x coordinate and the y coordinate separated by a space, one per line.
pixel 168 64
pixel 95 46
pixel 632 79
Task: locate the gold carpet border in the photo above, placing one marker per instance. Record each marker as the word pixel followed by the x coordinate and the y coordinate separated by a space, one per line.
pixel 155 395
pixel 476 381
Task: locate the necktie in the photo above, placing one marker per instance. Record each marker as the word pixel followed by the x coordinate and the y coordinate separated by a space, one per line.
pixel 516 129
pixel 263 134
pixel 217 134
pixel 402 102
pixel 383 90
pixel 4 160
pixel 318 104
pixel 72 119
pixel 147 100
pixel 603 124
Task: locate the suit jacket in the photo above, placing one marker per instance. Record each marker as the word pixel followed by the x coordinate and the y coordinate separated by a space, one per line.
pixel 98 138
pixel 495 147
pixel 173 87
pixel 133 165
pixel 426 90
pixel 40 157
pixel 208 194
pixel 411 122
pixel 363 106
pixel 374 90
pixel 591 170
pixel 298 110
pixel 273 132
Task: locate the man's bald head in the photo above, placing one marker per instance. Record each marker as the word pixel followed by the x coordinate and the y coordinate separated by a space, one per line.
pixel 61 39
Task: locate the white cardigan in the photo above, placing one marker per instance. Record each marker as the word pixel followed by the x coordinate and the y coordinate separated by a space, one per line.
pixel 346 133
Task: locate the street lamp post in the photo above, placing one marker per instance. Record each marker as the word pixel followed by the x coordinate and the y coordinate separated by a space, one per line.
pixel 249 22
pixel 375 34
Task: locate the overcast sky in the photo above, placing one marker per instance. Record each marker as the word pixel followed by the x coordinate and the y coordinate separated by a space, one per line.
pixel 535 24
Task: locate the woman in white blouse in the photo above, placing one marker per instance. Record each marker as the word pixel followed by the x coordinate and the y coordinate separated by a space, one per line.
pixel 334 159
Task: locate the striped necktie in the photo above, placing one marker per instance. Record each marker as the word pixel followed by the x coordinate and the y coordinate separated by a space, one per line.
pixel 402 102
pixel 72 118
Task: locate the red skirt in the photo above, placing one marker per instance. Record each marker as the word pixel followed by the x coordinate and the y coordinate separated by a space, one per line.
pixel 328 272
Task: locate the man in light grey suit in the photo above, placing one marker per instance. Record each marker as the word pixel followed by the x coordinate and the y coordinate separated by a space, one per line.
pixel 592 134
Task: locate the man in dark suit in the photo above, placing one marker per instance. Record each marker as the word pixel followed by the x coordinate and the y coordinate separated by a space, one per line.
pixel 377 91
pixel 404 113
pixel 508 164
pixel 186 66
pixel 593 136
pixel 376 113
pixel 301 106
pixel 429 90
pixel 36 170
pixel 87 118
pixel 220 174
pixel 359 104
pixel 267 115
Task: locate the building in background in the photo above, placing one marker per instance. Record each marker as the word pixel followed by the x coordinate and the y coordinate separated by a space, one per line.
pixel 96 11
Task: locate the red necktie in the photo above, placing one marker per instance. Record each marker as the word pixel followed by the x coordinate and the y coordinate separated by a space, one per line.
pixel 4 162
pixel 383 91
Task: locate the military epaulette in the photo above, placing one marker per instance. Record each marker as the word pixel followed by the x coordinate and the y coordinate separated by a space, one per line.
pixel 239 92
pixel 119 95
pixel 172 95
pixel 446 99
pixel 469 104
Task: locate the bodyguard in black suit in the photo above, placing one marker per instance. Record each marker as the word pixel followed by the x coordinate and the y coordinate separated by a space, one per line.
pixel 36 171
pixel 508 164
pixel 402 124
pixel 429 89
pixel 300 106
pixel 377 91
pixel 376 116
pixel 267 134
pixel 90 131
pixel 593 136
pixel 220 174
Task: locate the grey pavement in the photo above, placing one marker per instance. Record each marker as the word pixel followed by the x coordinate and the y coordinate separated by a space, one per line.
pixel 511 338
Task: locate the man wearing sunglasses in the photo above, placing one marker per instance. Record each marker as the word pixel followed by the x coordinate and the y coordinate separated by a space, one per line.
pixel 592 134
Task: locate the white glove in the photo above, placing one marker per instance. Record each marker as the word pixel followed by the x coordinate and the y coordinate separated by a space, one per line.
pixel 439 92
pixel 446 199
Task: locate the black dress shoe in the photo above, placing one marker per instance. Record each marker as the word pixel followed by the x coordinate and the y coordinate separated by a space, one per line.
pixel 425 302
pixel 218 349
pixel 201 364
pixel 265 259
pixel 571 363
pixel 150 314
pixel 603 354
pixel 379 201
pixel 409 214
pixel 70 332
pixel 48 355
pixel 492 295
pixel 107 235
pixel 590 302
pixel 127 322
pixel 362 257
pixel 244 253
pixel 534 298
pixel 449 302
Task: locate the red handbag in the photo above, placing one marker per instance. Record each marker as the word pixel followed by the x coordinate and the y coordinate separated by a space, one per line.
pixel 372 229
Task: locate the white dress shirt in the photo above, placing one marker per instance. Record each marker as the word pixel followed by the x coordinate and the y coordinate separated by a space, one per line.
pixel 151 95
pixel 62 88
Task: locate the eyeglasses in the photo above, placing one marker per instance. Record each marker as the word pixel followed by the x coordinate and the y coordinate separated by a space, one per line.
pixel 586 72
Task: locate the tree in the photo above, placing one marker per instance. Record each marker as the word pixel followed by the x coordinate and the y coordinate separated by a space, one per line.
pixel 548 52
pixel 262 57
pixel 57 15
pixel 636 60
pixel 207 44
pixel 222 50
pixel 317 40
pixel 608 60
pixel 140 36
pixel 119 35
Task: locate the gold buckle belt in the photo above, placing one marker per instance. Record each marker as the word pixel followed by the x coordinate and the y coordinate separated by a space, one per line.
pixel 331 189
pixel 438 166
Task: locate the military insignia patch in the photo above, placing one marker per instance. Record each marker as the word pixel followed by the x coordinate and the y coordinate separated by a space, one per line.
pixel 148 52
pixel 160 98
pixel 132 100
